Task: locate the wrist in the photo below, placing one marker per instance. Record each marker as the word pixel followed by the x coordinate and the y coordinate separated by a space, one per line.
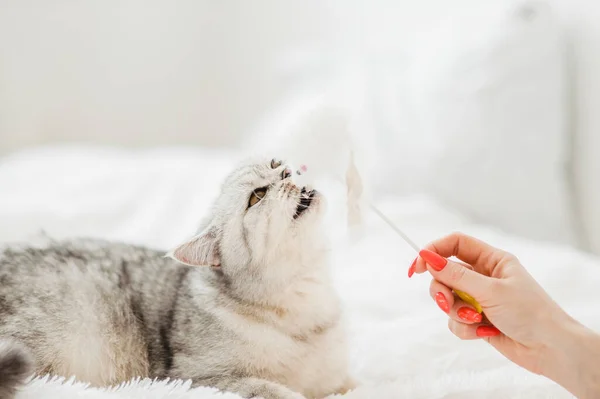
pixel 571 356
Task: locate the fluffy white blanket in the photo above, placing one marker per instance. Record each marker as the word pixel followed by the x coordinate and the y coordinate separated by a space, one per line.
pixel 401 347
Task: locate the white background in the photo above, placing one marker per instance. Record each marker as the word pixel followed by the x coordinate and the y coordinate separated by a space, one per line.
pixel 135 72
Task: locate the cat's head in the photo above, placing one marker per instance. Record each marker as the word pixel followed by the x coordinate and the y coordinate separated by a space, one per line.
pixel 260 219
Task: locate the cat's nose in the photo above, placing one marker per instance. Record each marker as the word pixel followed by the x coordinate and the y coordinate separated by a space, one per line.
pixel 287 172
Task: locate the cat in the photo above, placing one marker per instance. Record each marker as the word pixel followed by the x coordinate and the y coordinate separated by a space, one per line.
pixel 245 306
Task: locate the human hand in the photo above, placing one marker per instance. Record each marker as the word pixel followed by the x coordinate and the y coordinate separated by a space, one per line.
pixel 522 320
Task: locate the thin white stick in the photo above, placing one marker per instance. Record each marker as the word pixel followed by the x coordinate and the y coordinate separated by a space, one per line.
pixel 389 223
pixel 395 228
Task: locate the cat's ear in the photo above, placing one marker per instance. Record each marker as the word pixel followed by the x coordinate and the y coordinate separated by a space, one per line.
pixel 201 250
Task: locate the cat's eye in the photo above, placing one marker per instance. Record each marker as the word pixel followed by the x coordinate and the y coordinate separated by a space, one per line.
pixel 275 163
pixel 256 196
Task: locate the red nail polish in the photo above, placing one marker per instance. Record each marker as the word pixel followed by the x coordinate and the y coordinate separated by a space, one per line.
pixel 434 260
pixel 441 301
pixel 487 331
pixel 411 269
pixel 468 314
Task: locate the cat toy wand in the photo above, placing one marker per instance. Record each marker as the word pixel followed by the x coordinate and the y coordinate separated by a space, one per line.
pixel 462 295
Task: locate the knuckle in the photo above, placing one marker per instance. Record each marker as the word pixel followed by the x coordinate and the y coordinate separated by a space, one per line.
pixel 457 273
pixel 456 329
pixel 456 235
pixel 432 286
pixel 451 326
pixel 512 258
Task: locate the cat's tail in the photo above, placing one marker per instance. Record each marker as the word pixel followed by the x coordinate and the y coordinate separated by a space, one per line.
pixel 16 365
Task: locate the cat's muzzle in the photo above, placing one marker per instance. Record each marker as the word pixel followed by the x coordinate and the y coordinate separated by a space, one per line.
pixel 306 199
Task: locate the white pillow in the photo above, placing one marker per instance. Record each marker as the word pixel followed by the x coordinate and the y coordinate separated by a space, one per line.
pixel 487 97
pixel 582 19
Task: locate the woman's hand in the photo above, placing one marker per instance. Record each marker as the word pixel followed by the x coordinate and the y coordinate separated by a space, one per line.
pixel 523 322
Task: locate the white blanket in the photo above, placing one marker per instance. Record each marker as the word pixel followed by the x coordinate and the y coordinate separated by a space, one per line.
pixel 401 347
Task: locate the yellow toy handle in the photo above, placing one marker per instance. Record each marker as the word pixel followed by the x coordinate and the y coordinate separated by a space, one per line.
pixel 470 300
pixel 466 297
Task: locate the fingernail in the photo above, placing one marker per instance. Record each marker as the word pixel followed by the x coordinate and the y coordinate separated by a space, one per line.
pixel 468 314
pixel 434 260
pixel 412 268
pixel 441 301
pixel 487 331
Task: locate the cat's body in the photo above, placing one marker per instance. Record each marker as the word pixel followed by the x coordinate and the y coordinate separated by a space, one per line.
pixel 262 320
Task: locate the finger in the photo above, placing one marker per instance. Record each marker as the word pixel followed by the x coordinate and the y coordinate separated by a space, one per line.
pixel 420 266
pixel 482 256
pixel 453 306
pixel 464 313
pixel 473 331
pixel 442 296
pixel 462 330
pixel 413 267
pixel 456 276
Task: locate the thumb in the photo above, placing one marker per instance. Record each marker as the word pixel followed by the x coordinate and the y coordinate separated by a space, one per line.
pixel 456 275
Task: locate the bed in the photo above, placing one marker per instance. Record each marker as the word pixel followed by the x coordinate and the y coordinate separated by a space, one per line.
pixel 400 345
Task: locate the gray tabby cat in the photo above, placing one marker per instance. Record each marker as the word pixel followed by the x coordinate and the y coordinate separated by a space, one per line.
pixel 245 306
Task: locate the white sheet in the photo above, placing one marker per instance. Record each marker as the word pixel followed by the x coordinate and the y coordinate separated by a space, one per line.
pixel 400 343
